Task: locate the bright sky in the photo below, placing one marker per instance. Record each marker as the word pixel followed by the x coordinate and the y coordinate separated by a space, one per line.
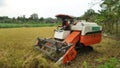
pixel 45 8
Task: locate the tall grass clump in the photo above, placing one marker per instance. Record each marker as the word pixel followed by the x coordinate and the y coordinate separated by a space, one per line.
pixel 111 63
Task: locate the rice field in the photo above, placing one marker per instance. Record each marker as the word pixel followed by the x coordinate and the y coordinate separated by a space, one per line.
pixel 16 50
pixel 16 45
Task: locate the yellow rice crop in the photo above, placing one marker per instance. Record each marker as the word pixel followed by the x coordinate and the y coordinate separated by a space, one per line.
pixel 16 45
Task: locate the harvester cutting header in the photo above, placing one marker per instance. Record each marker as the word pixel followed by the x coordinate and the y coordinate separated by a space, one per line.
pixel 69 38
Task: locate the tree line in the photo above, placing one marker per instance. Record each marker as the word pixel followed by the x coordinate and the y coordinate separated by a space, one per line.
pixel 32 19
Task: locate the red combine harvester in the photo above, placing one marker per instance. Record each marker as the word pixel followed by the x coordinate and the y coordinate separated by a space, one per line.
pixel 69 39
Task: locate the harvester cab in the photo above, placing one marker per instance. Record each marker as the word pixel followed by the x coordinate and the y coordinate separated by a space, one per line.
pixel 65 29
pixel 69 39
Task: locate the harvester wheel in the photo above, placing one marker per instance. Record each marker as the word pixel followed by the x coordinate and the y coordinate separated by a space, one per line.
pixel 89 48
pixel 68 63
pixel 80 48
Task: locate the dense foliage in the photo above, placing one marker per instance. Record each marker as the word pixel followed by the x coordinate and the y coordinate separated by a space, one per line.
pixel 108 16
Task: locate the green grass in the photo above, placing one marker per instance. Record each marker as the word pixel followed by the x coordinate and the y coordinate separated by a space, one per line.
pixel 15 25
pixel 111 63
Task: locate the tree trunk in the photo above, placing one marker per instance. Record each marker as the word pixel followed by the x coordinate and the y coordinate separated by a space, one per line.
pixel 117 27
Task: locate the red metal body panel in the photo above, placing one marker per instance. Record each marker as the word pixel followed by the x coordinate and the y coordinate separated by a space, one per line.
pixel 73 38
pixel 91 39
pixel 71 53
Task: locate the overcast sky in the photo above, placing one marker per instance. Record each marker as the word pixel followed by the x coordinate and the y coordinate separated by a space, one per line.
pixel 45 8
